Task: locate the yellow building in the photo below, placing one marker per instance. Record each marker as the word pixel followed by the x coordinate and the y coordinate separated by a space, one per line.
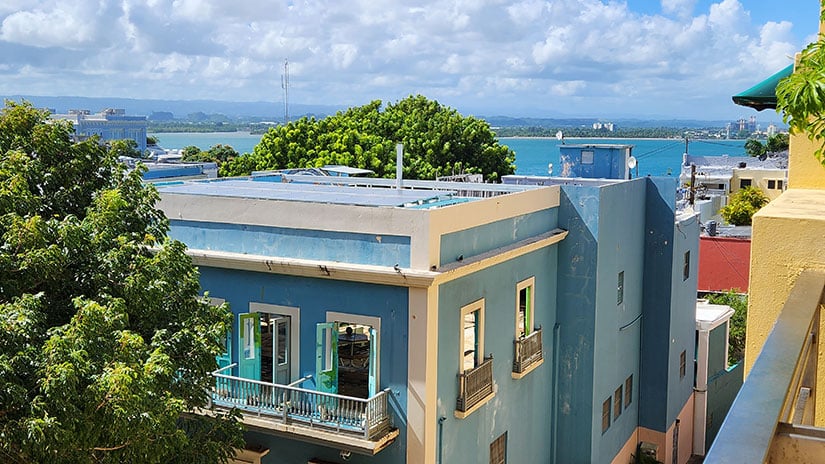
pixel 779 415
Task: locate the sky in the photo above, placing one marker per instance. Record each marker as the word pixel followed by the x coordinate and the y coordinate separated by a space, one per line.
pixel 541 58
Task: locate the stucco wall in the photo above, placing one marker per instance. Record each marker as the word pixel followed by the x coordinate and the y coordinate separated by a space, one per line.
pixel 521 407
pixel 314 297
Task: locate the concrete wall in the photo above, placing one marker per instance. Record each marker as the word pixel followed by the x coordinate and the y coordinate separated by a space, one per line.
pixel 520 407
pixel 722 389
pixel 669 309
pixel 348 247
pixel 486 237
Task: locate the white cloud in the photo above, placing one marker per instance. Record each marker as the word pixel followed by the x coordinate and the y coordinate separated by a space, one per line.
pixel 543 53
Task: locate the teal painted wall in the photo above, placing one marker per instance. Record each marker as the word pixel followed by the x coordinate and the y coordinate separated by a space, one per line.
pixel 487 237
pixel 618 325
pixel 520 407
pixel 669 302
pixel 384 250
pixel 576 302
pixel 315 297
pixel 722 390
pixel 717 355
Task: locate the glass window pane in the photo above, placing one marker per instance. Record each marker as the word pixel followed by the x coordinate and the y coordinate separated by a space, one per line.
pixel 282 343
pixel 470 340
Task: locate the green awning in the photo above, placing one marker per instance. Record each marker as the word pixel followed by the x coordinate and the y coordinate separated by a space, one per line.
pixel 763 94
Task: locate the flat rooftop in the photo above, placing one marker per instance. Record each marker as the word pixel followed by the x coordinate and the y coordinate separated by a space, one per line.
pixel 344 190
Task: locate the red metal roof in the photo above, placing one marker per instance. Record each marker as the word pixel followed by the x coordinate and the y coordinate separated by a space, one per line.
pixel 724 264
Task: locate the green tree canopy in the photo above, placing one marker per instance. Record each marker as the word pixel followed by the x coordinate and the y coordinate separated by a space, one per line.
pixel 754 147
pixel 437 141
pixel 107 348
pixel 743 205
pixel 778 142
pixel 739 303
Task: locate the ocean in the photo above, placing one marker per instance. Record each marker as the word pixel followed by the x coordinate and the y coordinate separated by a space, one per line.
pixel 656 157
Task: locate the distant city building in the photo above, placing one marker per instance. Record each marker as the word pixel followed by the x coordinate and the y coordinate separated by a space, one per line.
pixel 109 124
pixel 608 126
pixel 771 131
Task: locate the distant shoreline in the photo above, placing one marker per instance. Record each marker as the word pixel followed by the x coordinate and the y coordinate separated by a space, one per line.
pixel 614 138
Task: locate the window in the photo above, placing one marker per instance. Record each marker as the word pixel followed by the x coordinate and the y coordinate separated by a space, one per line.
pixel 617 403
pixel 524 307
pixel 606 415
pixel 682 364
pixel 472 335
pixel 628 391
pixel 620 288
pixel 587 156
pixel 745 183
pixel 498 450
pixel 772 184
pixel 779 185
pixel 686 268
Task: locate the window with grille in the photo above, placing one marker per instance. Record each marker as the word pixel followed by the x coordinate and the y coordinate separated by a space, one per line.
pixel 606 415
pixel 682 364
pixel 628 391
pixel 686 268
pixel 498 450
pixel 617 403
pixel 620 288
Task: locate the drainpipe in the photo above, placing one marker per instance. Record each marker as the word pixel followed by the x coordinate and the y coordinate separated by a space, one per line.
pixel 399 166
pixel 554 427
pixel 700 400
pixel 441 421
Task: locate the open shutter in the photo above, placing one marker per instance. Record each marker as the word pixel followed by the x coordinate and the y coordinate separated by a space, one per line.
pixel 326 357
pixel 373 380
pixel 249 353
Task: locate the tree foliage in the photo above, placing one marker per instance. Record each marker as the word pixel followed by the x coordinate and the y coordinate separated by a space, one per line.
pixel 106 348
pixel 801 96
pixel 755 148
pixel 437 141
pixel 736 341
pixel 743 205
pixel 219 154
pixel 778 142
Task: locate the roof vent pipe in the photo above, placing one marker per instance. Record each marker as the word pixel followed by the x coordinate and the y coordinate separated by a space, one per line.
pixel 399 165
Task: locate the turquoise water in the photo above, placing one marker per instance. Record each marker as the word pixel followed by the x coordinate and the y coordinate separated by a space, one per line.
pixel 655 157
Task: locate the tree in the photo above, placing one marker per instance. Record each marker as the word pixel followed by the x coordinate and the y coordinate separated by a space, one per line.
pixel 778 142
pixel 107 348
pixel 743 205
pixel 801 96
pixel 125 147
pixel 754 147
pixel 736 340
pixel 437 141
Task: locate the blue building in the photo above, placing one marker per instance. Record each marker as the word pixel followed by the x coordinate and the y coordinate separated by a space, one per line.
pixel 448 322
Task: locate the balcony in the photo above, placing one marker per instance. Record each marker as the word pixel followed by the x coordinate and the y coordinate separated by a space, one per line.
pixel 475 387
pixel 359 425
pixel 772 419
pixel 527 354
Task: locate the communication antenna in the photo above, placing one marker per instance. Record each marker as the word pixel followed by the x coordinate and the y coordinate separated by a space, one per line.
pixel 285 86
pixel 560 136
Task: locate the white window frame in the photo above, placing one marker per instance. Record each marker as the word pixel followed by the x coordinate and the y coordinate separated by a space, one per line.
pixel 477 305
pixel 530 324
pixel 375 323
pixel 294 332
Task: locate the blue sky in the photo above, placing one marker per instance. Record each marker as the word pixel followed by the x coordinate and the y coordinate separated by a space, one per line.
pixel 544 58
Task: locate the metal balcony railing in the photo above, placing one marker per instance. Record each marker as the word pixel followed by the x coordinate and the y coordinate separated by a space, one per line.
pixel 368 418
pixel 528 351
pixel 474 385
pixel 770 419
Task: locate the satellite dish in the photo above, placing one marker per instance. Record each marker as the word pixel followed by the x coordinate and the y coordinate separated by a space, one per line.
pixel 631 162
pixel 559 135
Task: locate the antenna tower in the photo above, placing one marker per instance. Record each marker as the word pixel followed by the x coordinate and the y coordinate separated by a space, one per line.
pixel 285 86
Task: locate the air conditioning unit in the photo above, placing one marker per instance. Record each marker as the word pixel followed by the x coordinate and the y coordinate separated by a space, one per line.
pixel 649 449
